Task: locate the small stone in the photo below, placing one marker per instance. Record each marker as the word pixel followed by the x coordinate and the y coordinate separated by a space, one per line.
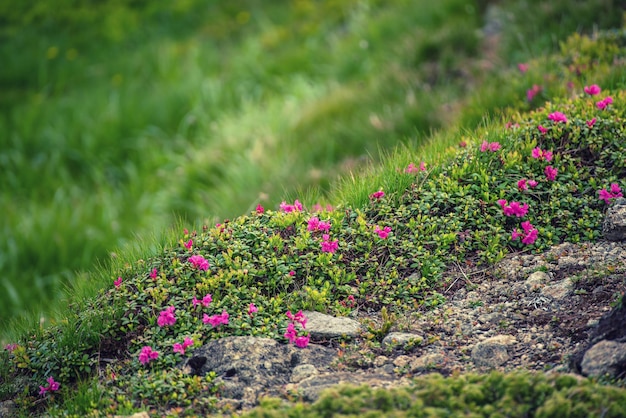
pixel 302 372
pixel 380 361
pixel 537 278
pixel 427 362
pixel 492 352
pixel 400 338
pixel 559 290
pixel 325 326
pixel 606 357
pixel 402 361
pixel 614 226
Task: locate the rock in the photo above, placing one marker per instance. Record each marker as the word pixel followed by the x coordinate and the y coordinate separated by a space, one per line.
pixel 614 226
pixel 428 362
pixel 492 352
pixel 249 367
pixel 606 357
pixel 135 415
pixel 402 361
pixel 304 371
pixel 400 338
pixel 559 290
pixel 322 326
pixel 7 409
pixel 537 278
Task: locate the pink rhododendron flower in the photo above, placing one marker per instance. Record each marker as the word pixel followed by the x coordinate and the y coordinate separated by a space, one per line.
pixel 188 244
pixel 557 117
pixel 529 234
pixel 531 93
pixel 490 146
pixel 10 347
pixel 412 168
pixel 382 233
pixel 153 273
pixel 206 300
pixel 216 320
pixel 591 122
pixel 614 193
pixel 524 183
pixel 199 262
pixel 180 348
pixel 291 333
pixel 377 195
pixel 302 341
pixel 542 129
pixel 315 224
pixel 522 67
pixel 329 246
pixel 541 154
pixel 260 209
pixel 511 125
pixel 292 273
pixel 297 206
pixel 318 208
pixel 604 102
pixel 147 355
pixel 299 317
pixel 551 173
pixel 166 317
pixel 592 90
pixel 532 183
pixel 117 283
pixel 252 309
pixel 51 387
pixel 513 209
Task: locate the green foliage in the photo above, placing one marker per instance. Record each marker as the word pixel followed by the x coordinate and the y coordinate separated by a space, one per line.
pixel 492 395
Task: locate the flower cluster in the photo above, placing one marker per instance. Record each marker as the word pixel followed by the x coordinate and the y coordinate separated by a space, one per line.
pixel 524 183
pixel 180 348
pixel 490 146
pixel 551 173
pixel 259 208
pixel 602 104
pixel 188 244
pixel 205 301
pixel 531 93
pixel 514 208
pixel 252 308
pixel 51 387
pixel 117 283
pixel 291 334
pixel 377 195
pixel 297 206
pixel 542 129
pixel 529 234
pixel 382 233
pixel 154 273
pixel 412 168
pixel 315 224
pixel 540 154
pixel 216 320
pixel 557 117
pixel 167 317
pixel 329 246
pixel 592 90
pixel 613 194
pixel 591 122
pixel 199 262
pixel 146 355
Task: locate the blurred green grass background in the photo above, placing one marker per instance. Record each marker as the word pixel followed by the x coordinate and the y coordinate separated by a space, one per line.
pixel 121 118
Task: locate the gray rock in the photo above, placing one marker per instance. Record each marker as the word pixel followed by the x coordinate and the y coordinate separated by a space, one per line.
pixel 7 409
pixel 325 326
pixel 303 371
pixel 559 290
pixel 537 278
pixel 605 357
pixel 428 362
pixel 492 352
pixel 614 226
pixel 249 367
pixel 400 338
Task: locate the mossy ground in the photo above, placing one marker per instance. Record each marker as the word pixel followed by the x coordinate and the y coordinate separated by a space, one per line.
pixel 448 212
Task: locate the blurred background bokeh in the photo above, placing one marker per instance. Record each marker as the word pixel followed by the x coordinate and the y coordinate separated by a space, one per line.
pixel 119 118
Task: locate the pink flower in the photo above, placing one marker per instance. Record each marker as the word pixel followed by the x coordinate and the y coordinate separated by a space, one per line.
pixel 529 236
pixel 291 333
pixel 591 122
pixel 551 173
pixel 117 282
pixel 613 194
pixel 10 347
pixel 51 387
pixel 206 300
pixel 521 184
pixel 513 209
pixel 382 233
pixel 541 154
pixel 315 224
pixel 216 320
pixel 318 208
pixel 532 183
pixel 557 117
pixel 188 244
pixel 299 317
pixel 199 262
pixel 412 168
pixel 522 67
pixel 329 246
pixel 166 317
pixel 604 102
pixel 511 125
pixel 297 206
pixel 153 274
pixel 530 94
pixel 147 354
pixel 542 129
pixel 292 273
pixel 180 348
pixel 377 195
pixel 592 90
pixel 302 341
pixel 252 309
pixel 260 209
pixel 490 146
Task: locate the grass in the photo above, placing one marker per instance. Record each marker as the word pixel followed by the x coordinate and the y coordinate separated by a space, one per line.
pixel 92 160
